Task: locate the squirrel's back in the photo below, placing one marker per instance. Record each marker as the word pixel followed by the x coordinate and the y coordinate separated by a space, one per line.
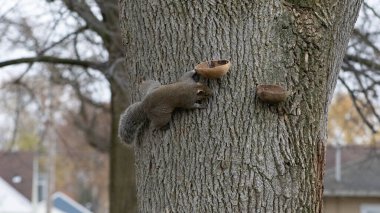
pixel 176 95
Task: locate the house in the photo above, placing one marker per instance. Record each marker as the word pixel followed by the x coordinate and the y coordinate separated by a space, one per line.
pixel 16 187
pixel 352 180
pixel 16 168
pixel 63 204
pixel 66 204
pixel 12 201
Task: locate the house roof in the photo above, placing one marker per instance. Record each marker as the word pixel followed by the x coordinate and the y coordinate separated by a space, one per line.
pixel 12 201
pixel 349 153
pixel 359 176
pixel 16 168
pixel 66 204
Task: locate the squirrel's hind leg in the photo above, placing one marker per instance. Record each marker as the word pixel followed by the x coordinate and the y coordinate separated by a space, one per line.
pixel 160 121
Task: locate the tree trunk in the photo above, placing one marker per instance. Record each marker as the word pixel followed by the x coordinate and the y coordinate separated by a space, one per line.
pixel 239 154
pixel 122 159
pixel 122 188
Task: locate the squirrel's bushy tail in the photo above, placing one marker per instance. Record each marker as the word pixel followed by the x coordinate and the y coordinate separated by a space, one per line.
pixel 130 121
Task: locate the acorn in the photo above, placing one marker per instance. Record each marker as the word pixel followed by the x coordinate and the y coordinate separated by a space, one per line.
pixel 272 94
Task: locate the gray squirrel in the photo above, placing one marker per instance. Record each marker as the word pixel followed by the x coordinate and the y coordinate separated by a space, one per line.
pixel 159 102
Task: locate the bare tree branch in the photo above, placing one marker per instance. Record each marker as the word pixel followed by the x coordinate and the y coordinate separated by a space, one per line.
pixel 54 60
pixel 357 107
pixel 96 140
pixel 364 38
pixel 366 5
pixel 367 62
pixel 77 89
pixel 8 11
pixel 365 91
pixel 76 32
pixel 109 11
pixel 84 11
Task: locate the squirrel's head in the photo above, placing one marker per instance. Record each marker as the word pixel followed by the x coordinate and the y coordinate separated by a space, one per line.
pixel 203 91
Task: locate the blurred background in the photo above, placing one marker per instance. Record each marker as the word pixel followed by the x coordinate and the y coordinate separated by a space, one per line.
pixel 55 115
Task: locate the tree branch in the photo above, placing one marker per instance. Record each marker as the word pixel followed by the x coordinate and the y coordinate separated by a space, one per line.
pixel 77 89
pixel 357 107
pixel 54 60
pixel 84 11
pixel 365 93
pixel 366 5
pixel 79 30
pixel 364 38
pixel 368 63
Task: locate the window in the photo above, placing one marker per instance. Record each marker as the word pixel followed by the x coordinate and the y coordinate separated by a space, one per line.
pixel 42 187
pixel 370 208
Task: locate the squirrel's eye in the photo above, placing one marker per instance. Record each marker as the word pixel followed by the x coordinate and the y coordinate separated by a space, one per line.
pixel 200 92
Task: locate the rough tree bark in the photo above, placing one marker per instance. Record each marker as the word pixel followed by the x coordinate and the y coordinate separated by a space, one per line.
pixel 238 155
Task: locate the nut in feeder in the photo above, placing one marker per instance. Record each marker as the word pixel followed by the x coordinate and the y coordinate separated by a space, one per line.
pixel 213 68
pixel 272 94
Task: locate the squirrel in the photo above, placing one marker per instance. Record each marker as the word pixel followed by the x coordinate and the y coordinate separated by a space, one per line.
pixel 159 102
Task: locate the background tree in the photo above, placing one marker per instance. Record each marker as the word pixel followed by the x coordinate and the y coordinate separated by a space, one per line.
pixel 81 170
pixel 346 124
pixel 361 67
pixel 240 154
pixel 89 55
pixel 354 115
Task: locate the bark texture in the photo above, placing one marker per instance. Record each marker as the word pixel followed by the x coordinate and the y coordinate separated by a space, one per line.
pixel 239 154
